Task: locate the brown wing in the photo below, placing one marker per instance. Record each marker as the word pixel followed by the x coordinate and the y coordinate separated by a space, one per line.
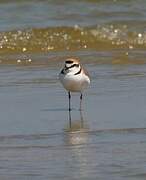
pixel 86 72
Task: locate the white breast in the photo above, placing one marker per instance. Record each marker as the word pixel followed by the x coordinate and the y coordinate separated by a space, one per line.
pixel 75 83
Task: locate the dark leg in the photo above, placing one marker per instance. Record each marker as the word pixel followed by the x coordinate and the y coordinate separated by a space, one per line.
pixel 69 119
pixel 81 98
pixel 69 98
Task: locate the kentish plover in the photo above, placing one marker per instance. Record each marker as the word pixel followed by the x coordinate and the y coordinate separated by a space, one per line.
pixel 74 78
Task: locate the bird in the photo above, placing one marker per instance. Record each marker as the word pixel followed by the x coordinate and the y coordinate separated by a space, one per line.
pixel 74 78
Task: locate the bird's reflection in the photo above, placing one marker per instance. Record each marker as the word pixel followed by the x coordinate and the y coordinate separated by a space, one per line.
pixel 76 125
pixel 77 138
pixel 76 131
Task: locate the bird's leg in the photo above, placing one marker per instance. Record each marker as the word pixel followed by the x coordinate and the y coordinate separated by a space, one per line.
pixel 81 98
pixel 69 119
pixel 69 98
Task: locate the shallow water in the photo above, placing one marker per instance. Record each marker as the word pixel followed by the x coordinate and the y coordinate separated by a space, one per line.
pixel 36 141
pixel 106 140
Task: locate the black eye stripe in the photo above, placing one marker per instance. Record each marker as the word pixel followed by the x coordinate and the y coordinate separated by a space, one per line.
pixel 74 65
pixel 77 65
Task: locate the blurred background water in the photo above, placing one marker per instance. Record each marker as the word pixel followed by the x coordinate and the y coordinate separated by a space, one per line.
pixel 106 141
